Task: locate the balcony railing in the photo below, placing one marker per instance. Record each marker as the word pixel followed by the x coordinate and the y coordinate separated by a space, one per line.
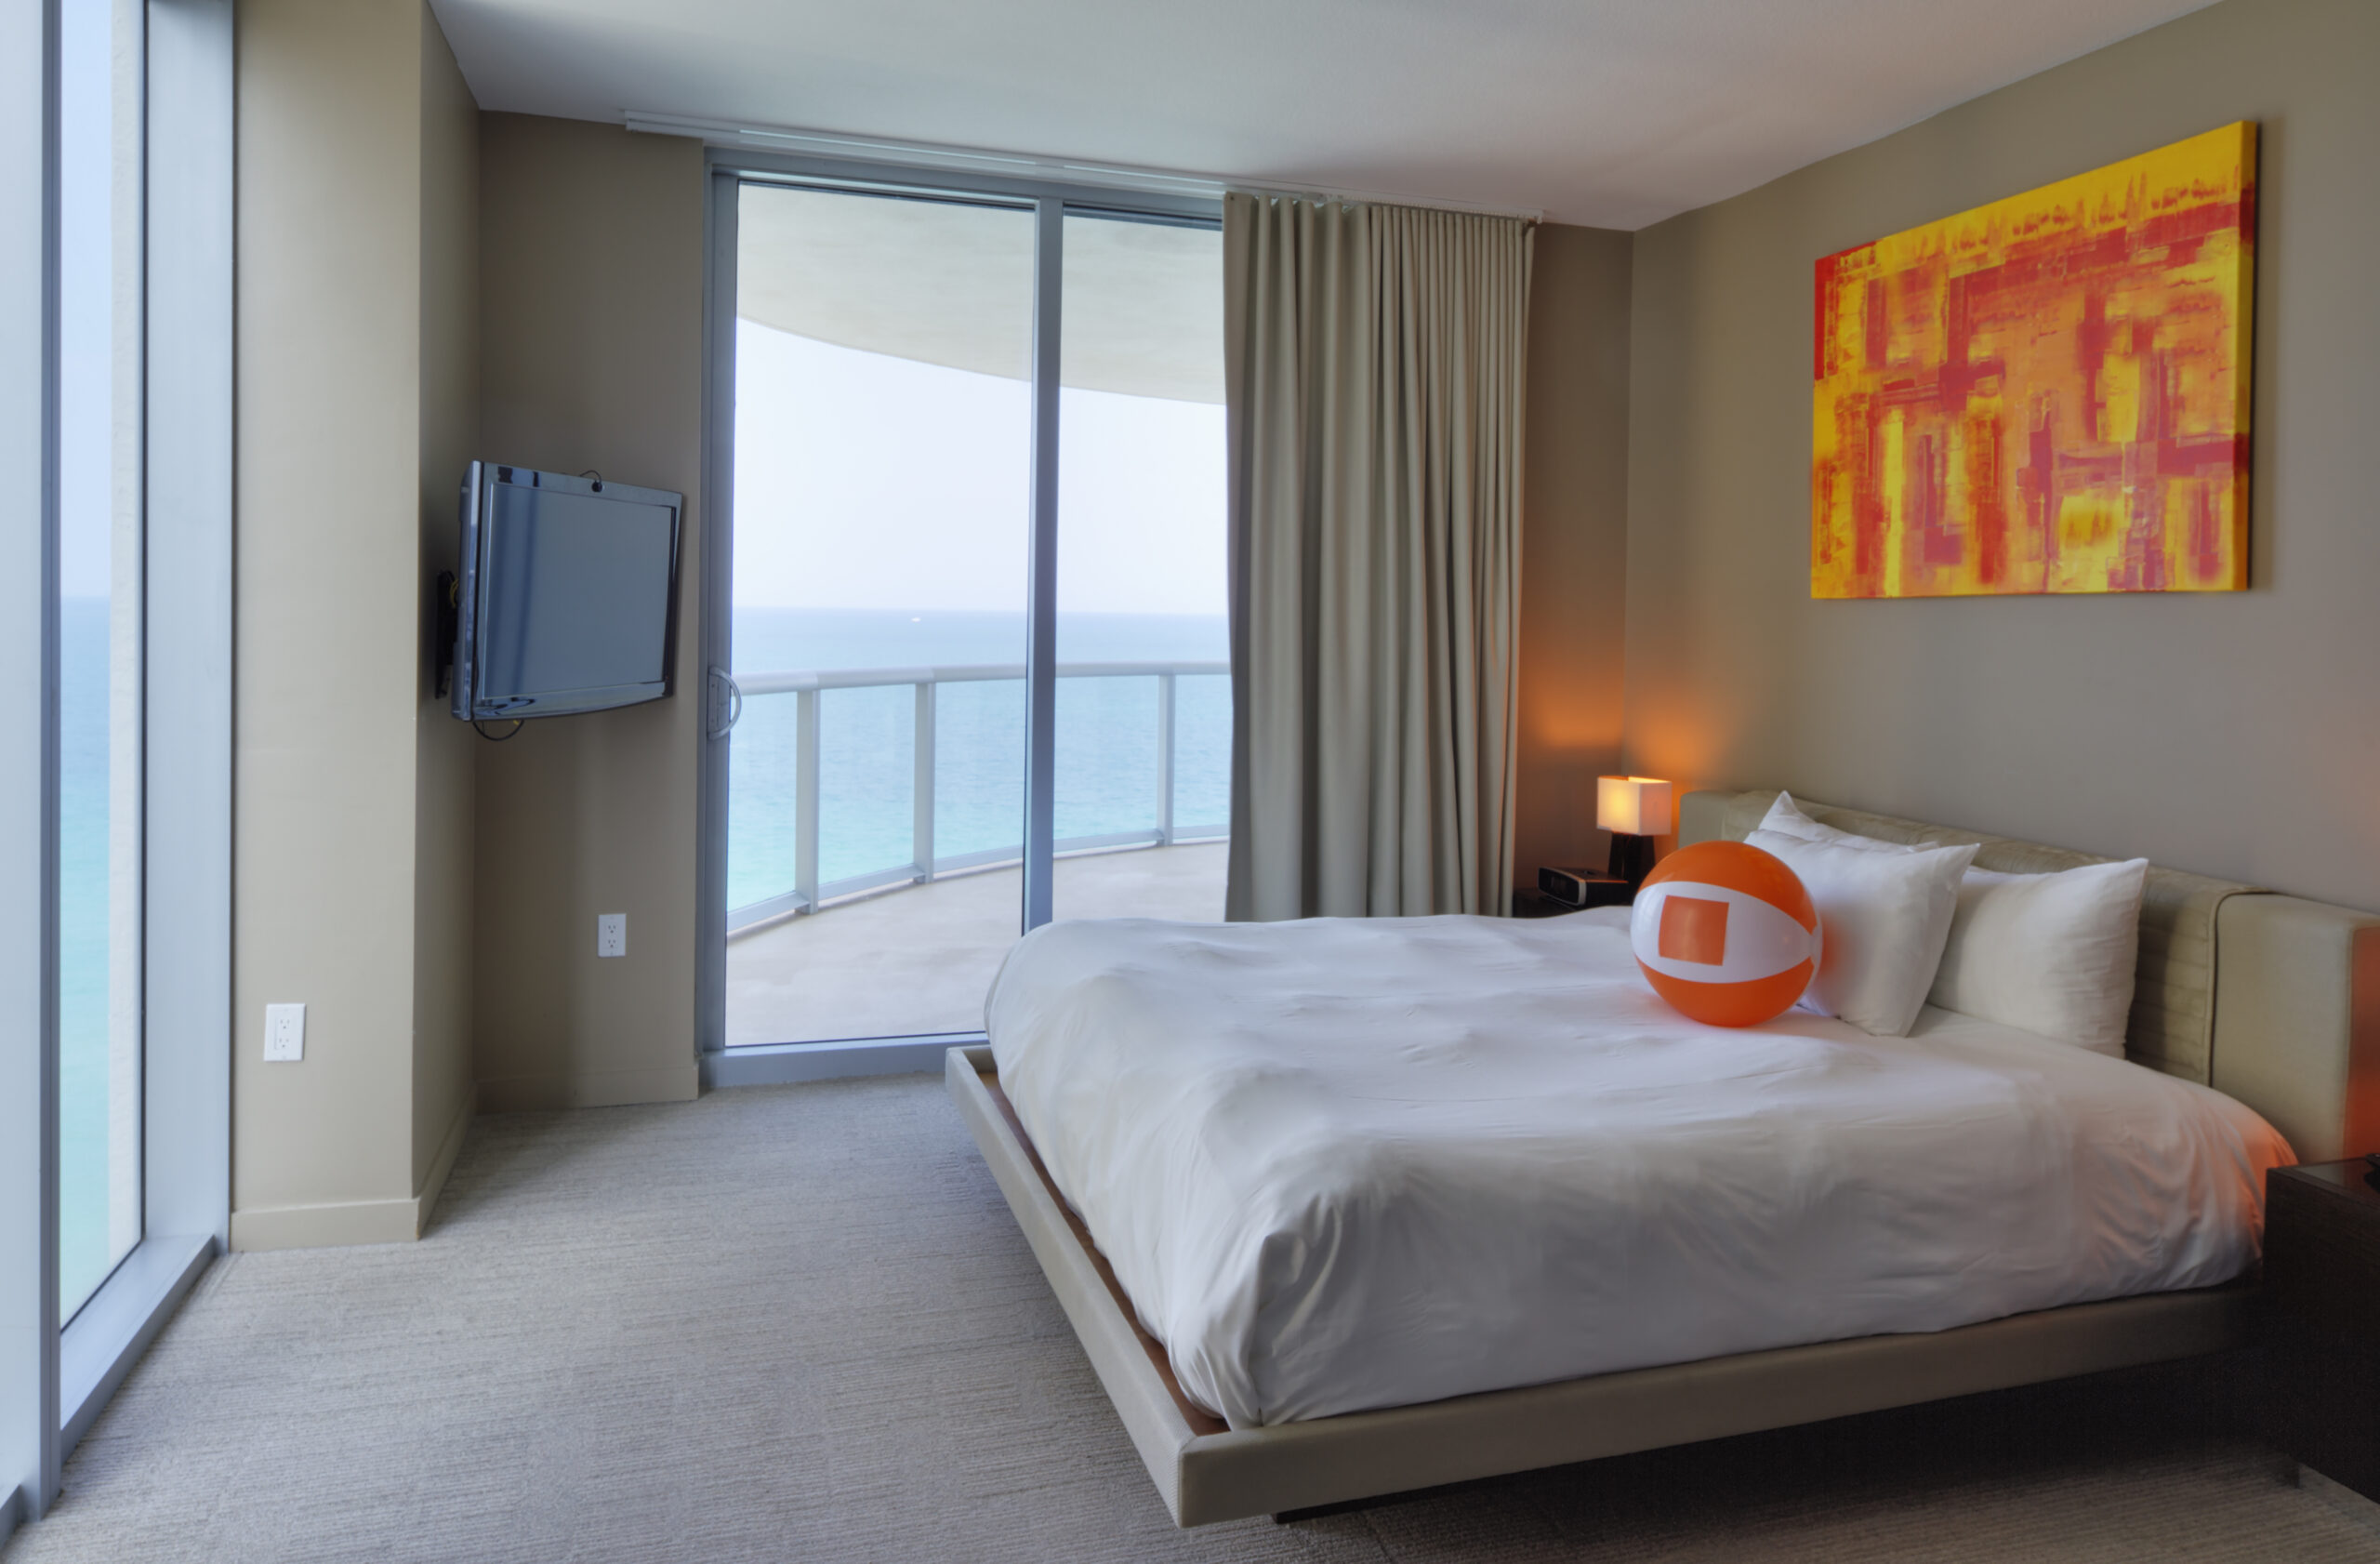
pixel 807 895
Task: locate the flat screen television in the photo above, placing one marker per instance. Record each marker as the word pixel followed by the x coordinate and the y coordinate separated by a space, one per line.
pixel 566 594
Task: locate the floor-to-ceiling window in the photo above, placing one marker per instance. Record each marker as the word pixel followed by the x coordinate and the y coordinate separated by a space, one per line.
pixel 100 620
pixel 115 365
pixel 899 354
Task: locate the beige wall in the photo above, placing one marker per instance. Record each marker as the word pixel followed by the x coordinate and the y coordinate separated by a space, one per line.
pixel 1573 545
pixel 444 762
pixel 344 236
pixel 2230 733
pixel 591 301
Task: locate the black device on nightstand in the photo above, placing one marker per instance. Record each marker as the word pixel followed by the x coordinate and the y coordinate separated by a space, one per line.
pixel 2322 1286
pixel 1569 890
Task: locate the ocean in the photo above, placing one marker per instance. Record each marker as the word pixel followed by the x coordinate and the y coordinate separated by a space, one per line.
pixel 1107 741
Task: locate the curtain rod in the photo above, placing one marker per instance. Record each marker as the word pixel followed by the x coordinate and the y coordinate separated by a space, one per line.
pixel 926 154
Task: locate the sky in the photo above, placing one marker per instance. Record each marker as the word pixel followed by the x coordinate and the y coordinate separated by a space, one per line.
pixel 865 481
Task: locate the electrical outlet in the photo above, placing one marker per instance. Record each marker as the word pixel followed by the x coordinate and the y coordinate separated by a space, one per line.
pixel 284 1033
pixel 610 934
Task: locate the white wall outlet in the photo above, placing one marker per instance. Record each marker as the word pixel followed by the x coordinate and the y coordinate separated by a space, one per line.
pixel 610 934
pixel 284 1033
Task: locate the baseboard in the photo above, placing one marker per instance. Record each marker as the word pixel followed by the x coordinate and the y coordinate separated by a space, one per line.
pixel 330 1225
pixel 425 1200
pixel 12 1508
pixel 336 1224
pixel 787 1063
pixel 543 1094
pixel 2342 1498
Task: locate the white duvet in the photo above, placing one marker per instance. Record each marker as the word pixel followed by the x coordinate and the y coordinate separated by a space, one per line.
pixel 1361 1162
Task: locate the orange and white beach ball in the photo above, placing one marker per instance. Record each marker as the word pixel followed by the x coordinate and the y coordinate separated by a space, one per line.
pixel 1726 932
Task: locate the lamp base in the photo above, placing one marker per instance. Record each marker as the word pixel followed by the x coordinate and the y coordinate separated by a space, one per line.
pixel 1632 857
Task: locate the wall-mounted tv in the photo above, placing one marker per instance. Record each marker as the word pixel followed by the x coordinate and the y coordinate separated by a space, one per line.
pixel 567 595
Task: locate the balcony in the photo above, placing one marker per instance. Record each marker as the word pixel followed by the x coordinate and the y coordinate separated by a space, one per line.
pixel 918 959
pixel 908 945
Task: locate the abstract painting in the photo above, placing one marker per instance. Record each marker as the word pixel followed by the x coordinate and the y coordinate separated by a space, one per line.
pixel 2046 394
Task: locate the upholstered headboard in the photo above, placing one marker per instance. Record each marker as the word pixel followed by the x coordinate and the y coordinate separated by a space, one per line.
pixel 2270 999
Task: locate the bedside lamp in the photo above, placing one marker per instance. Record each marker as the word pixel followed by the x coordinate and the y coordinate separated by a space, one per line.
pixel 1634 809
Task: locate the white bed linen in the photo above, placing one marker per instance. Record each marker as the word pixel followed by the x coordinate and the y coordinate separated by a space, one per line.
pixel 1361 1162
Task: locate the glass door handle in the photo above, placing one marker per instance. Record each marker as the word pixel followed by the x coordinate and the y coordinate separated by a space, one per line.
pixel 725 695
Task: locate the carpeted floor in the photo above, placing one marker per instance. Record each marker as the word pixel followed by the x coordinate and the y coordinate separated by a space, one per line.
pixel 798 1323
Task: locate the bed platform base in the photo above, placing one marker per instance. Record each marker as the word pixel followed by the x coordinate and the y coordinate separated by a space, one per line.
pixel 1207 1472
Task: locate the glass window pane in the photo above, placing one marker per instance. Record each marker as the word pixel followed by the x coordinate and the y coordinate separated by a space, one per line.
pixel 100 629
pixel 882 474
pixel 1144 758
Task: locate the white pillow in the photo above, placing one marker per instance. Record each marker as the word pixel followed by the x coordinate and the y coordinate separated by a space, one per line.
pixel 2047 953
pixel 1786 818
pixel 1882 920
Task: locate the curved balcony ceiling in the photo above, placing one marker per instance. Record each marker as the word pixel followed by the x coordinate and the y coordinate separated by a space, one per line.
pixel 1610 113
pixel 953 285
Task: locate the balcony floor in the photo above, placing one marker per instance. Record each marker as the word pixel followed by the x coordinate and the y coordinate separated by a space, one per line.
pixel 918 959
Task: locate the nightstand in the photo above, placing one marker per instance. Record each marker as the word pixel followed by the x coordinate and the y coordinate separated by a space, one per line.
pixel 2322 1286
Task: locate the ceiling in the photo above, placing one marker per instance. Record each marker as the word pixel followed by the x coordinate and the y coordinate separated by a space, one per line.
pixel 950 284
pixel 1611 113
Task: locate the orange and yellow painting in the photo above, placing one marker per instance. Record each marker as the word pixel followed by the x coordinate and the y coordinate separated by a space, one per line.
pixel 2046 394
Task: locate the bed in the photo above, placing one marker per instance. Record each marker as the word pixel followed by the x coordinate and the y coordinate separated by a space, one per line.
pixel 1326 1347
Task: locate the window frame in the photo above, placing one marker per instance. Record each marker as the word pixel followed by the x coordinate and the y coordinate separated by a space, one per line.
pixel 29 173
pixel 188 148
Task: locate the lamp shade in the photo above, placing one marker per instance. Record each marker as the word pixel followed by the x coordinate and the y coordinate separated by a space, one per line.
pixel 1632 806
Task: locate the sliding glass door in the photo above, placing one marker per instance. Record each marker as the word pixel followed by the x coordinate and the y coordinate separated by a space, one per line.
pixel 883 350
pixel 898 356
pixel 1142 757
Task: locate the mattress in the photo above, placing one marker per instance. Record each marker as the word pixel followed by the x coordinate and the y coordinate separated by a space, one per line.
pixel 1349 1163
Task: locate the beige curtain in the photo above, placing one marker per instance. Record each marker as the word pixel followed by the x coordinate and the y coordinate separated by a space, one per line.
pixel 1374 365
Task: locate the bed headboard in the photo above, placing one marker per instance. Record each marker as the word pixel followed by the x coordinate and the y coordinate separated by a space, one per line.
pixel 2270 998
